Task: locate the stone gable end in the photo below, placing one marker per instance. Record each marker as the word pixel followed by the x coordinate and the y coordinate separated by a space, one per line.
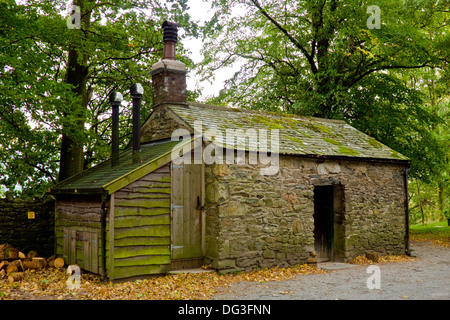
pixel 161 124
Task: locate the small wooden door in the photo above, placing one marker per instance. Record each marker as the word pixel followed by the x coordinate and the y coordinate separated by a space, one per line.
pixel 186 216
pixel 88 259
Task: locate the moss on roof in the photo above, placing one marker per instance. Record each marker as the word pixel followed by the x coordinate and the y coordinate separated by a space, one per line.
pixel 297 135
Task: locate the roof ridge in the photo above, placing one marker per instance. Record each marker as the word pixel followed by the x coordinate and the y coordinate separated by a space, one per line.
pixel 259 112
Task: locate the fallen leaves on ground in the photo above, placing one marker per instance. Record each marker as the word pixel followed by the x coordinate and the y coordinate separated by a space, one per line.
pixel 362 260
pixel 51 284
pixel 444 242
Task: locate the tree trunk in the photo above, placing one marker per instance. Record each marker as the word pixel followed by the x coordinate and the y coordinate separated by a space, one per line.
pixel 11 268
pixel 71 158
pixel 441 199
pixel 322 34
pixel 8 252
pixel 420 202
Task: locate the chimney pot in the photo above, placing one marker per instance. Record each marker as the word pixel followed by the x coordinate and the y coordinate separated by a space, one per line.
pixel 170 38
pixel 170 31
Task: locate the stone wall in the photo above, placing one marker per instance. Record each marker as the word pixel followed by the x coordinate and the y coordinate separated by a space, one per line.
pixel 161 125
pixel 262 221
pixel 28 234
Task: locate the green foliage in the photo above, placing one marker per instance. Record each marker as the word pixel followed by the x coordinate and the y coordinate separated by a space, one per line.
pixel 122 41
pixel 303 56
pixel 429 203
pixel 29 90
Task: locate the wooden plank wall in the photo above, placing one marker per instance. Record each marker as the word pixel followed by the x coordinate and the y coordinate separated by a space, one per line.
pixel 142 226
pixel 77 230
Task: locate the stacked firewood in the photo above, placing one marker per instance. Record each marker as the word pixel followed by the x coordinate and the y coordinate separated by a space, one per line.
pixel 13 263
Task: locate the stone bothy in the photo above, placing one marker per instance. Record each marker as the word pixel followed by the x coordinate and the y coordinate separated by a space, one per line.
pixel 233 188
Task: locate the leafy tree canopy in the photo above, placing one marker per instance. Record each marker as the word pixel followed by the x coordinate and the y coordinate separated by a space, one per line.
pixel 120 43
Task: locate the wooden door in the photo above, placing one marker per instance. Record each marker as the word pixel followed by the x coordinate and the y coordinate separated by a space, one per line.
pixel 90 251
pixel 88 260
pixel 186 216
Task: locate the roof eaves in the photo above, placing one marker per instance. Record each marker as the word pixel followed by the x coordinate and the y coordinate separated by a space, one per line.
pixel 148 167
pixel 84 191
pixel 353 158
pixel 56 189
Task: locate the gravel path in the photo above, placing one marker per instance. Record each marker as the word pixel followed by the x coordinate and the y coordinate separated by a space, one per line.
pixel 427 278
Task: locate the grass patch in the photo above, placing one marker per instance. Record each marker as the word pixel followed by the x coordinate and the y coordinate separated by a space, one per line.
pixel 436 232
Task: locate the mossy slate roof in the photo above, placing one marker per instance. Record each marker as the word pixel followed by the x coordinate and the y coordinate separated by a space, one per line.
pixel 297 135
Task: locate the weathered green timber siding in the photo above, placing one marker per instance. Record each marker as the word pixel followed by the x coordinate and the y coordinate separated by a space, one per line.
pixel 142 226
pixel 78 214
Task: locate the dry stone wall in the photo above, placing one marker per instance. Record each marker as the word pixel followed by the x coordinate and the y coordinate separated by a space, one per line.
pixel 17 229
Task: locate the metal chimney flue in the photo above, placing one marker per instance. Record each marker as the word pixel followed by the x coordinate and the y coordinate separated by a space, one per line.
pixel 136 92
pixel 115 99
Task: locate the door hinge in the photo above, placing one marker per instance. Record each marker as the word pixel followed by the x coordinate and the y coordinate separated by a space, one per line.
pixel 175 206
pixel 175 247
pixel 177 165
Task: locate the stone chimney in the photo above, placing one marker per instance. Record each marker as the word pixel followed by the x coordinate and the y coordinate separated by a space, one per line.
pixel 168 74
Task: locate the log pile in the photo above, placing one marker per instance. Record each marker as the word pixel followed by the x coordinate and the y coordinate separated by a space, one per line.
pixel 14 263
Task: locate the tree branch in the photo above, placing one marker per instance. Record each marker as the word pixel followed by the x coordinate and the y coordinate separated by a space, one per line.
pixel 364 74
pixel 46 172
pixel 288 35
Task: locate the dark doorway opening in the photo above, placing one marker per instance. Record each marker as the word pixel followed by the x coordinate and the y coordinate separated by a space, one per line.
pixel 324 222
pixel 329 222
